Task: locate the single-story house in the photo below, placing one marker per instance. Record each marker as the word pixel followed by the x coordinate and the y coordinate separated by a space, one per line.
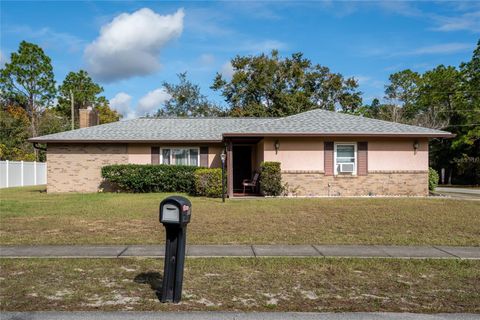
pixel 321 152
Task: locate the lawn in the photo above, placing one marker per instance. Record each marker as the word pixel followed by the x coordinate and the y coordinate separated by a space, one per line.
pixel 29 216
pixel 279 284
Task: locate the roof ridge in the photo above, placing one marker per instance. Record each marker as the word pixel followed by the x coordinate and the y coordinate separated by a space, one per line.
pixel 200 118
pixel 377 120
pixel 273 119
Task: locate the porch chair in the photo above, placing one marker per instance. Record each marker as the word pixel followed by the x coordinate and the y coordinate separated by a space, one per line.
pixel 251 183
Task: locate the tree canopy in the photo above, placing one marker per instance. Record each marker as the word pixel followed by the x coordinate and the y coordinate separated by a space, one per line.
pixel 28 79
pixel 28 108
pixel 187 100
pixel 268 85
pixel 447 98
pixel 86 93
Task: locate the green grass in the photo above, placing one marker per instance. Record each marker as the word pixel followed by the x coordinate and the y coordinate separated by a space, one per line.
pixel 279 284
pixel 29 216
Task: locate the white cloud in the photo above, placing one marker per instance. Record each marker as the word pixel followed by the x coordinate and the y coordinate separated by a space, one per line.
pixel 227 70
pixel 152 101
pixel 122 102
pixel 48 38
pixel 468 21
pixel 445 48
pixel 362 79
pixel 436 49
pixel 130 44
pixel 264 46
pixel 207 59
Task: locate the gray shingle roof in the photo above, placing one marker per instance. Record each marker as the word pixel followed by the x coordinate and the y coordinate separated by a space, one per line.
pixel 314 122
pixel 154 129
pixel 322 122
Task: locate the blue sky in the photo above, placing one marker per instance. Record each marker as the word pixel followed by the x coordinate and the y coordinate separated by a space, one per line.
pixel 131 47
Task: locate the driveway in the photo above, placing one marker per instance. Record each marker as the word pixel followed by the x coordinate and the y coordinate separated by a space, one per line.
pixel 459 193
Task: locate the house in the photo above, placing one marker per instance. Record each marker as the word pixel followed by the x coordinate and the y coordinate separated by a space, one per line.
pixel 321 152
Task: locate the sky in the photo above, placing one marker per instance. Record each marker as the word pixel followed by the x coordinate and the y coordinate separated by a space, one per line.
pixel 131 47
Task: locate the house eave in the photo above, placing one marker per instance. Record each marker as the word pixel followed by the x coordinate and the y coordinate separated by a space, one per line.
pixel 341 134
pixel 90 141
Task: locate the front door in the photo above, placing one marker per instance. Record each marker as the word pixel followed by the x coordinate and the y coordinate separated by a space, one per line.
pixel 242 166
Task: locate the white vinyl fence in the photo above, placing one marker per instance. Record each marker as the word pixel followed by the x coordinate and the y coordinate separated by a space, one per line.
pixel 22 173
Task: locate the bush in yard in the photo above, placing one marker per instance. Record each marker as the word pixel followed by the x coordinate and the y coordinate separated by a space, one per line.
pixel 432 179
pixel 270 179
pixel 150 178
pixel 208 182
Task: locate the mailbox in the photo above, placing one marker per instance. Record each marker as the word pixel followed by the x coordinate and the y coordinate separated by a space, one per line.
pixel 175 213
pixel 175 210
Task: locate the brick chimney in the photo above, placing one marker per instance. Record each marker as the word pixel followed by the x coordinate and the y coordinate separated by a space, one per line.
pixel 88 117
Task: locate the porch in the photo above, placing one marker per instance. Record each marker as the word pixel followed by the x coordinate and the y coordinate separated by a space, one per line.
pixel 244 156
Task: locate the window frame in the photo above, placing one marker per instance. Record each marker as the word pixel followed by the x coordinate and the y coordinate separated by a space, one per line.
pixel 180 148
pixel 355 156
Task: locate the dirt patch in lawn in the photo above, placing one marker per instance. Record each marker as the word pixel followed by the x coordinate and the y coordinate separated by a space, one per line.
pixel 282 284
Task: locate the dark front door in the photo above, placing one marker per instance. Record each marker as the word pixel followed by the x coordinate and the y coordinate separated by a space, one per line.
pixel 242 166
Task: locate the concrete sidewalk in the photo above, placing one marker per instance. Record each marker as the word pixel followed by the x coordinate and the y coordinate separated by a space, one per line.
pixel 232 316
pixel 253 251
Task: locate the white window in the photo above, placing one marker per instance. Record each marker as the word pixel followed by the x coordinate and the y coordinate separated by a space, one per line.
pixel 180 156
pixel 346 158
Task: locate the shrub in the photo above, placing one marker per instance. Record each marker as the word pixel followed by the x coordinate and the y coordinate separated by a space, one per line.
pixel 208 182
pixel 150 178
pixel 270 179
pixel 432 179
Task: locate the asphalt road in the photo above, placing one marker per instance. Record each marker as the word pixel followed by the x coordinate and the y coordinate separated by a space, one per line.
pixel 231 316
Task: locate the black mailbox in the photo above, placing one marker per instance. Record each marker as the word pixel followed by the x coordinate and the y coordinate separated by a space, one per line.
pixel 175 213
pixel 175 210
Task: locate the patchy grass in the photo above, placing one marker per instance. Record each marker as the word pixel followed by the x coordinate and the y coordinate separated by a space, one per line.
pixel 29 216
pixel 281 284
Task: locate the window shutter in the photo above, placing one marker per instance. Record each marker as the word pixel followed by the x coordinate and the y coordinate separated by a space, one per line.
pixel 362 156
pixel 204 157
pixel 155 151
pixel 328 158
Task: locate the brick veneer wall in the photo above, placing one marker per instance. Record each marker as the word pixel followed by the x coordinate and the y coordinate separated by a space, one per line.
pixel 380 183
pixel 77 167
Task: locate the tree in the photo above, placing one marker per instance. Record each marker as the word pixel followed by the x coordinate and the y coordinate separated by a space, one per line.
pixel 435 103
pixel 267 85
pixel 28 78
pixel 187 100
pixel 445 98
pixel 377 110
pixel 105 113
pixel 84 91
pixel 402 91
pixel 14 132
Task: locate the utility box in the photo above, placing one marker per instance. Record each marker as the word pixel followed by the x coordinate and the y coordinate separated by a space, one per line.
pixel 175 214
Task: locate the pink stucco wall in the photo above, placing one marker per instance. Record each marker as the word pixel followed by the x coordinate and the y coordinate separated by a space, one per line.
pixel 397 155
pixel 296 154
pixel 306 154
pixel 141 154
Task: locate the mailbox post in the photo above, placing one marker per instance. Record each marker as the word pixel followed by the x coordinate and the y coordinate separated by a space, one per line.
pixel 175 213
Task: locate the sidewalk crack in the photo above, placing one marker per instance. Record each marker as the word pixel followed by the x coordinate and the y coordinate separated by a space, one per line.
pixel 253 250
pixel 320 253
pixel 123 251
pixel 440 249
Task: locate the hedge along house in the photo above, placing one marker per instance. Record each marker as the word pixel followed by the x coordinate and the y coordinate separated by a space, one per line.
pixel 322 153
